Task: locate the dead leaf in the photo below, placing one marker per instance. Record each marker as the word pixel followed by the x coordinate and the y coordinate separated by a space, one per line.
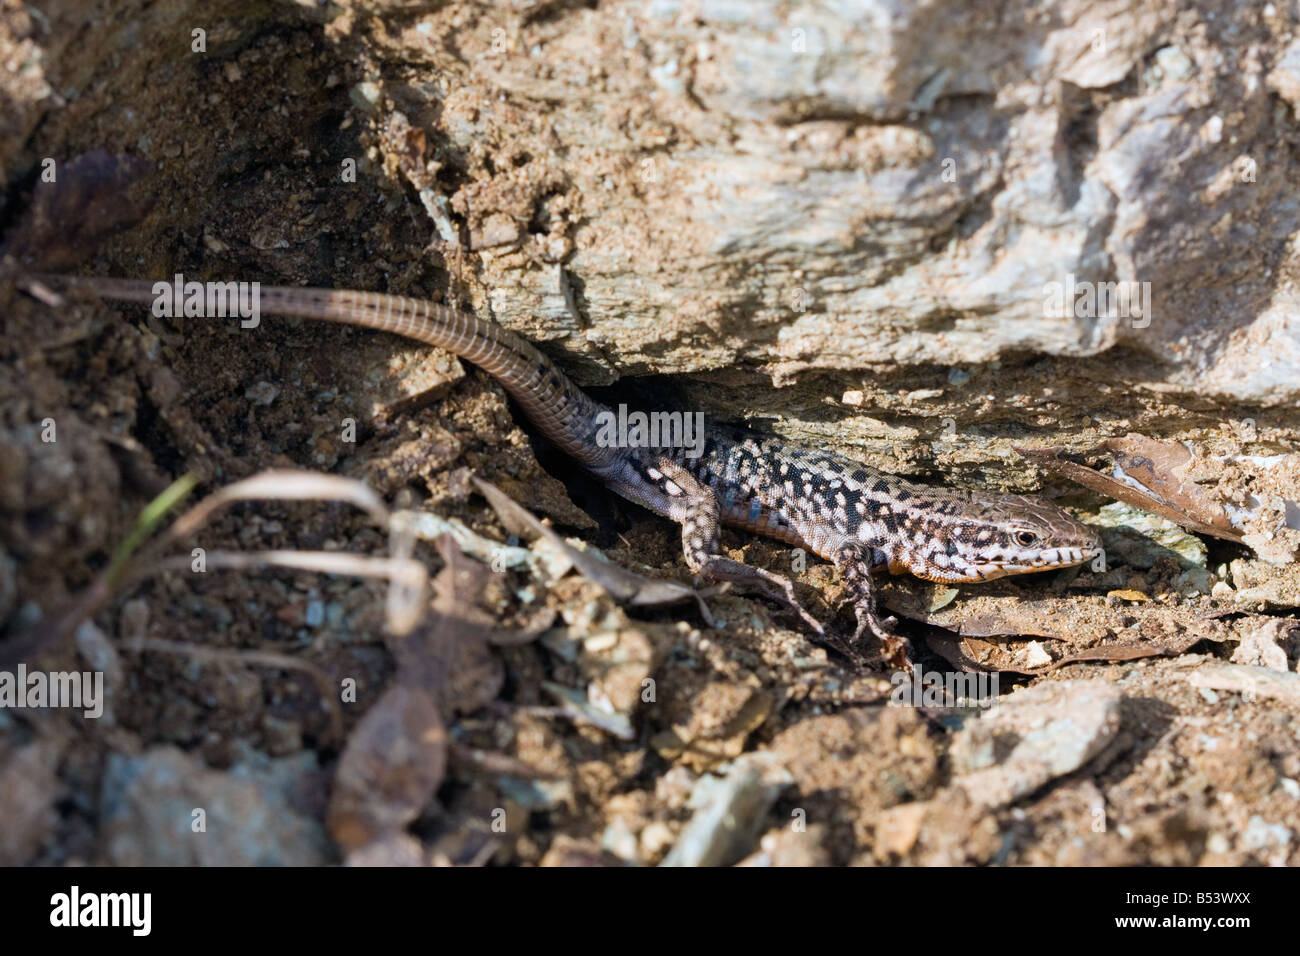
pixel 449 653
pixel 91 200
pixel 1176 511
pixel 974 654
pixel 390 769
pixel 1162 468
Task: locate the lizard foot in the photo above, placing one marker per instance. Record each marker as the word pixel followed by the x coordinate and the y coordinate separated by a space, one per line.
pixel 856 564
pixel 774 587
pixel 897 649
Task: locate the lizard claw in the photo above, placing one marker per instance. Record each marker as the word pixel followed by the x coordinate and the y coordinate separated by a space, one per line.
pixel 771 586
pixel 896 647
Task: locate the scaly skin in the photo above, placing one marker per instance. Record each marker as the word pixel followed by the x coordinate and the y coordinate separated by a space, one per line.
pixel 855 516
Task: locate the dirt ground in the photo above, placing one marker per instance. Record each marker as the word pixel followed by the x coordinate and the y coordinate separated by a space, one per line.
pixel 531 719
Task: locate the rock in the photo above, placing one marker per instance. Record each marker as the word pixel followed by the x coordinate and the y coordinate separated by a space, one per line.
pixel 1149 539
pixel 101 656
pixel 1261 647
pixel 148 807
pixel 615 664
pixel 959 151
pixel 729 812
pixel 566 851
pixel 1262 835
pixel 1035 655
pixel 714 726
pixel 673 789
pixel 1035 735
pixel 875 204
pixel 1252 683
pixel 1284 78
pixel 882 757
pixel 1258 583
pixel 536 794
pixel 791 847
pixel 656 840
pixel 947 830
pixel 396 849
pixel 29 786
pixel 897 829
pixel 619 840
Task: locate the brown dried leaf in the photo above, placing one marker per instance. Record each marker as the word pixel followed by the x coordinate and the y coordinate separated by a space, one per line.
pixel 1080 629
pixel 90 200
pixel 1128 652
pixel 973 654
pixel 392 765
pixel 449 653
pixel 1201 519
pixel 1162 468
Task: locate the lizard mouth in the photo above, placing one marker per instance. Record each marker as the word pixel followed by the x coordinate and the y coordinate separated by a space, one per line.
pixel 1044 561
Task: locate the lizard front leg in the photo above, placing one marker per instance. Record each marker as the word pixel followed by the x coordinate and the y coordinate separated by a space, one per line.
pixel 855 564
pixel 700 519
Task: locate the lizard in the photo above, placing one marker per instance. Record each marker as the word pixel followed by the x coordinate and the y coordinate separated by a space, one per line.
pixel 859 518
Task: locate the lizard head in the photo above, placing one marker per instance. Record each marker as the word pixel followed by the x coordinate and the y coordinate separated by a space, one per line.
pixel 978 536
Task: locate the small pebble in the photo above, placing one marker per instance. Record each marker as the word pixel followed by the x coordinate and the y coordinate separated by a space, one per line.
pixel 656 839
pixel 315 615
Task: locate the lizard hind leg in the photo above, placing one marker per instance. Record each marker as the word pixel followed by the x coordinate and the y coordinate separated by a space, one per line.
pixel 854 563
pixel 700 520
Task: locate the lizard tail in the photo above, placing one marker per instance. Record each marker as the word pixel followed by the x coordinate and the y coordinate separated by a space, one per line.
pixel 562 412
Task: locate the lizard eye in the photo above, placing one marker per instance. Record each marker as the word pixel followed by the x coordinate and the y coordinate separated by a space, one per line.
pixel 1026 539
